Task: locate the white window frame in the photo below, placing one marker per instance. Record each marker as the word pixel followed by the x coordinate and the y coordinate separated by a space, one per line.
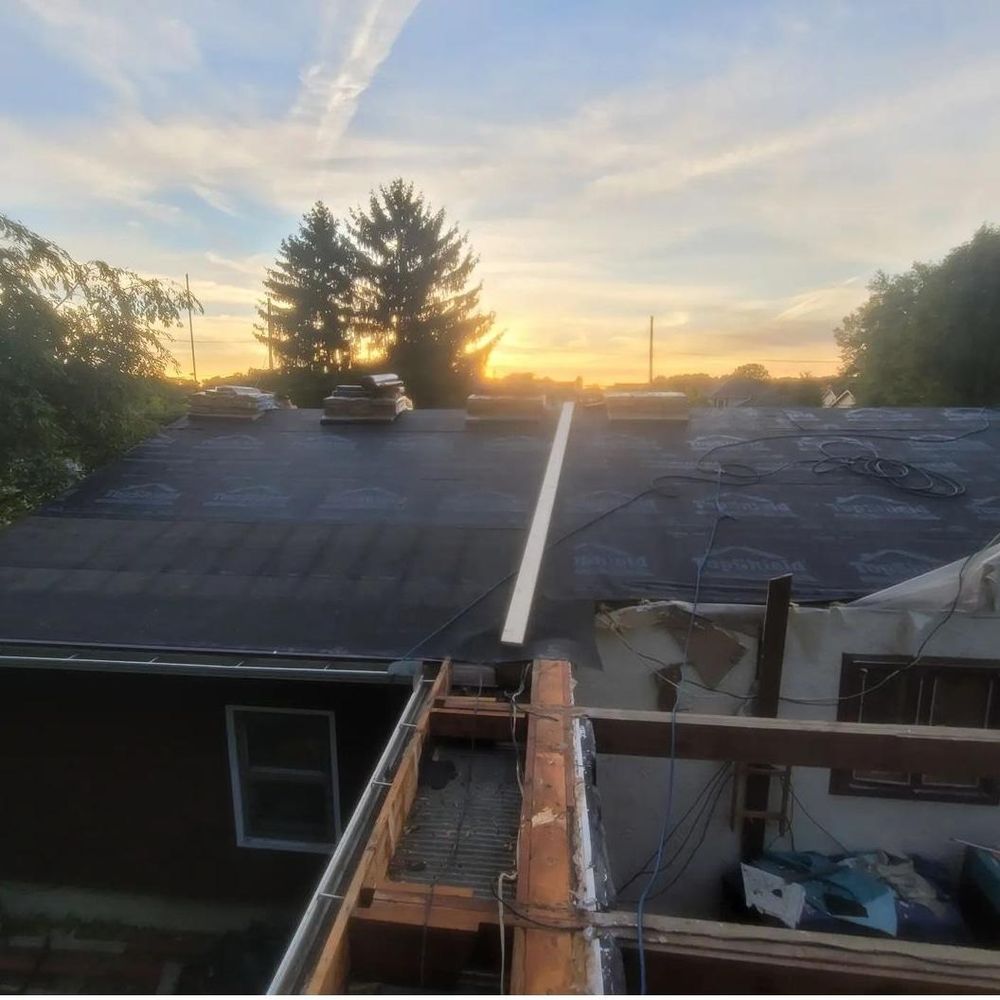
pixel 243 839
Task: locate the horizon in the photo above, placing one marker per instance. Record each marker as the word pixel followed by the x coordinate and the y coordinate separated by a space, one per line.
pixel 608 163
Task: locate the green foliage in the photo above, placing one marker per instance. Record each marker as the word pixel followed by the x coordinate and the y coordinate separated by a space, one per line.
pixel 930 336
pixel 391 291
pixel 754 371
pixel 82 362
pixel 311 287
pixel 414 297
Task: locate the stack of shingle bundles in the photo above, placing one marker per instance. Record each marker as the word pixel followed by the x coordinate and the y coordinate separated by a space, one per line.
pixel 375 399
pixel 646 405
pixel 234 402
pixel 493 409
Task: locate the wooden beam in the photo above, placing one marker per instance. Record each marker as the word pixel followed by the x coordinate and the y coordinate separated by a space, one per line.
pixel 801 742
pixel 770 659
pixel 546 960
pixel 329 975
pixel 522 597
pixel 698 956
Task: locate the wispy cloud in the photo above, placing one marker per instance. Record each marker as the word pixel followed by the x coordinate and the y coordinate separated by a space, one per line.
pixel 122 46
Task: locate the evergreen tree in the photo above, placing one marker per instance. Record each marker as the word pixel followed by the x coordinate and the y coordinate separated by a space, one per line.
pixel 414 300
pixel 310 287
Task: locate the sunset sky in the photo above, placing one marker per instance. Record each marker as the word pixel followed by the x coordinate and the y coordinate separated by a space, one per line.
pixel 738 169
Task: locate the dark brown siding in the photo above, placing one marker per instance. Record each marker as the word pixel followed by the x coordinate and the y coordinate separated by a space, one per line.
pixel 121 781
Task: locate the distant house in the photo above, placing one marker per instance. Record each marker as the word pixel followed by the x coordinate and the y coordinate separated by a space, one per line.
pixel 839 400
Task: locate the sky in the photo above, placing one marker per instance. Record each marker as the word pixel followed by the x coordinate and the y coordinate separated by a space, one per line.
pixel 739 169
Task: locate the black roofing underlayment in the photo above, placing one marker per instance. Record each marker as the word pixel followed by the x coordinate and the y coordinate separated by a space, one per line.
pixel 369 540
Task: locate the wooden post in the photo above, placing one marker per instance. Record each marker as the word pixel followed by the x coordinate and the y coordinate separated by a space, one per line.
pixel 770 658
pixel 194 367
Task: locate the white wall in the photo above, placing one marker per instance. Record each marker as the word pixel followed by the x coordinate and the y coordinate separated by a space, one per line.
pixel 633 789
pixel 817 639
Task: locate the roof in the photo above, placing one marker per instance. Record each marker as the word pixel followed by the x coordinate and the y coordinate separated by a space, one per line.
pixel 399 539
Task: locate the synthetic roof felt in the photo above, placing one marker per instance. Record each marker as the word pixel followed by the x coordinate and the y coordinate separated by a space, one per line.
pixel 402 539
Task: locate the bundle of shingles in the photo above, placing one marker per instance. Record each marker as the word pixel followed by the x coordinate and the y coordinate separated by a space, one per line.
pixel 241 402
pixel 374 399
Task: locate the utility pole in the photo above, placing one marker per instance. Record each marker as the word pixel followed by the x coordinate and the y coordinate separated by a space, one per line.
pixel 270 351
pixel 650 351
pixel 194 367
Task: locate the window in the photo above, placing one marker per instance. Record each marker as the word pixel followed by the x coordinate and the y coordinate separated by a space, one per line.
pixel 931 693
pixel 284 772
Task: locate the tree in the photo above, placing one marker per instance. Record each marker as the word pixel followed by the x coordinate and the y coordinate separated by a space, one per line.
pixel 414 300
pixel 311 288
pixel 753 371
pixel 931 335
pixel 82 357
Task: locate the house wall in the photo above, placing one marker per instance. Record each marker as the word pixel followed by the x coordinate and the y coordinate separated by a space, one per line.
pixel 634 790
pixel 122 782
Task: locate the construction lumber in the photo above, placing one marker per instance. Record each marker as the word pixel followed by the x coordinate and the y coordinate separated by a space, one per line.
pixel 770 660
pixel 704 956
pixel 800 742
pixel 522 598
pixel 545 960
pixel 329 975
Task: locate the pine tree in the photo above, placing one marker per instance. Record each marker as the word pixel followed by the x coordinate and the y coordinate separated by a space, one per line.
pixel 414 301
pixel 310 287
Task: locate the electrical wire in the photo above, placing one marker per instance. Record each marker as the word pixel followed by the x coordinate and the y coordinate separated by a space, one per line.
pixel 705 790
pixel 945 618
pixel 698 845
pixel 664 832
pixel 815 822
pixel 737 474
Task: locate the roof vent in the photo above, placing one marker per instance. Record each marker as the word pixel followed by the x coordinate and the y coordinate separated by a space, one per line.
pixel 375 399
pixel 232 402
pixel 635 406
pixel 480 409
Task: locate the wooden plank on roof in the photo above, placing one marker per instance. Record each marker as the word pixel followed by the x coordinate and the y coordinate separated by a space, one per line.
pixel 522 597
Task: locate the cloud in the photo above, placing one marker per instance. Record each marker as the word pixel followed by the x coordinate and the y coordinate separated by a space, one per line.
pixel 123 46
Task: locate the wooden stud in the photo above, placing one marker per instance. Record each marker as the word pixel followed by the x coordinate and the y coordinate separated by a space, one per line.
pixel 770 658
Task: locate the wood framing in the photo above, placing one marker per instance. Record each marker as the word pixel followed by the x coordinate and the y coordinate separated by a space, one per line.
pixel 329 974
pixel 390 931
pixel 704 956
pixel 802 742
pixel 546 960
pixel 522 597
pixel 770 659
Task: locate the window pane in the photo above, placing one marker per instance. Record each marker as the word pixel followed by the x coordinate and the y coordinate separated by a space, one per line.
pixel 959 699
pixel 288 810
pixel 287 740
pixel 889 701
